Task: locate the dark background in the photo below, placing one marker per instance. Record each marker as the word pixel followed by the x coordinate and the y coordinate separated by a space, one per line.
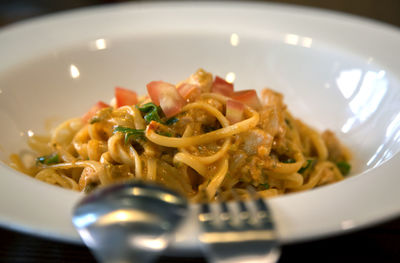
pixel 384 10
pixel 380 243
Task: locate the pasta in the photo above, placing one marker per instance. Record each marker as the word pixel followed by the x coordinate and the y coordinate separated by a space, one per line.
pixel 199 137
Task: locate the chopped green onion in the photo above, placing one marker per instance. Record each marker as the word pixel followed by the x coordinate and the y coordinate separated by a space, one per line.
pixel 136 133
pixel 48 159
pixel 303 169
pixel 151 111
pixel 344 167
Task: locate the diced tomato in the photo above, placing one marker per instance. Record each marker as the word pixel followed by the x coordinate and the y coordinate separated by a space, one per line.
pixel 98 106
pixel 188 91
pixel 154 89
pixel 248 97
pixel 222 87
pixel 166 96
pixel 234 111
pixel 125 97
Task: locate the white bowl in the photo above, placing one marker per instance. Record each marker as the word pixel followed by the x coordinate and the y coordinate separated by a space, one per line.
pixel 336 71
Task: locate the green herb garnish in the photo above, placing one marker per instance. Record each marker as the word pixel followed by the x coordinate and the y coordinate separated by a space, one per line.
pixel 94 120
pixel 288 123
pixel 48 159
pixel 265 185
pixel 151 111
pixel 163 133
pixel 303 169
pixel 207 129
pixel 344 167
pixel 136 133
pixel 171 121
pixel 289 160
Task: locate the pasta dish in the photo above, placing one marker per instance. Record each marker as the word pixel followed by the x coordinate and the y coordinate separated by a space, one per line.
pixel 199 137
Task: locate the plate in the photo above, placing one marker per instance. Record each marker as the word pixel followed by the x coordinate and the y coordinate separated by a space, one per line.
pixel 336 71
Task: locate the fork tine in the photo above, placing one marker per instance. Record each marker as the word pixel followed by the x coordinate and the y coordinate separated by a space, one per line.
pixel 262 211
pixel 205 208
pixel 252 192
pixel 243 216
pixel 243 234
pixel 226 215
pixel 205 216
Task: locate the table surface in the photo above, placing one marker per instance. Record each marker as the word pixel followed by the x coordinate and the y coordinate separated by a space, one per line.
pixel 380 243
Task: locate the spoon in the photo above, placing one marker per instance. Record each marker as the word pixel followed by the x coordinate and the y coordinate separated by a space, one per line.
pixel 129 222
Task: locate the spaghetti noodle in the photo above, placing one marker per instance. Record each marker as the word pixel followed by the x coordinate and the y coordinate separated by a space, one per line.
pixel 197 137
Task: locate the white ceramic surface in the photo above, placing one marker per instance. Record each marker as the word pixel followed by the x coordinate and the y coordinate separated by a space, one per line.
pixel 336 71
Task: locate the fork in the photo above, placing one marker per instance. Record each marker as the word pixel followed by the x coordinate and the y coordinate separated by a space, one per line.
pixel 238 231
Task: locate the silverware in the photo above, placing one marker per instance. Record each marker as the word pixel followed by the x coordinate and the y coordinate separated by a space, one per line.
pixel 238 232
pixel 129 222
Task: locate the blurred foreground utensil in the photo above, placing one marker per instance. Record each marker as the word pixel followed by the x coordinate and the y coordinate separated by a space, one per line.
pixel 238 232
pixel 130 222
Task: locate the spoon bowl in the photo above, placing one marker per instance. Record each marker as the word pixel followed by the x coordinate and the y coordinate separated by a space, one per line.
pixel 129 222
